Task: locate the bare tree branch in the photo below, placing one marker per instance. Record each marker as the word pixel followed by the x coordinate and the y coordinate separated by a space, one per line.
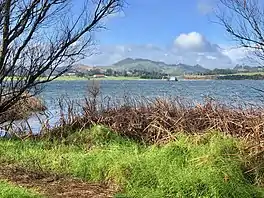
pixel 243 20
pixel 42 39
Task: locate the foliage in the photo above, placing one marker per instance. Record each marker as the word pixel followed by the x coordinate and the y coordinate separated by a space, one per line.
pixel 241 77
pixel 220 71
pixel 191 166
pixel 10 191
pixel 159 120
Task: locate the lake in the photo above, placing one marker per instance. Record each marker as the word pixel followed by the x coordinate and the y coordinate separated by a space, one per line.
pixel 229 92
pixel 223 91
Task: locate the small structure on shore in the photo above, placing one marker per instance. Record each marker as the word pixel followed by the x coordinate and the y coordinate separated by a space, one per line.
pixel 99 76
pixel 172 78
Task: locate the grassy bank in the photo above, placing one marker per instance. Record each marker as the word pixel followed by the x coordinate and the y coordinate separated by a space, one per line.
pixel 10 190
pixel 199 77
pixel 75 78
pixel 120 78
pixel 210 165
pixel 146 148
pixel 71 78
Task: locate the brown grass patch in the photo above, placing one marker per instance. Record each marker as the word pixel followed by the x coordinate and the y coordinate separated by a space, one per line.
pixel 157 121
pixel 54 185
pixel 23 108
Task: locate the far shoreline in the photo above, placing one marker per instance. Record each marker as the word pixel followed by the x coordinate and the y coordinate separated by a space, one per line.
pixel 72 78
pixel 187 78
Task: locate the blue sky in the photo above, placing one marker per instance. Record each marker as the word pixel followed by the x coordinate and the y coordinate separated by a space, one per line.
pixel 156 22
pixel 172 31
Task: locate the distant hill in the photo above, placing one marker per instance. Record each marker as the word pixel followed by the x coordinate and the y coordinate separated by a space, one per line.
pixel 81 68
pixel 192 69
pixel 140 64
pixel 142 67
pixel 149 65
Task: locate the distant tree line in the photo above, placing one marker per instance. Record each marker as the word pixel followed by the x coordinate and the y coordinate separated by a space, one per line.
pixel 220 71
pixel 235 70
pixel 241 77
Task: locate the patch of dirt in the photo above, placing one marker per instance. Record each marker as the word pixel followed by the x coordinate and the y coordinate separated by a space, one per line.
pixel 51 185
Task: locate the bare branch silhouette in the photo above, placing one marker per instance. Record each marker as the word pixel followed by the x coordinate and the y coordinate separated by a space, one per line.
pixel 243 20
pixel 41 39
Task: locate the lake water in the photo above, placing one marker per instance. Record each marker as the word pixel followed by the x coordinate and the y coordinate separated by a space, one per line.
pixel 230 92
pixel 224 91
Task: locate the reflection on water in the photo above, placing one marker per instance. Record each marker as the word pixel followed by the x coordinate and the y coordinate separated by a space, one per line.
pixel 228 92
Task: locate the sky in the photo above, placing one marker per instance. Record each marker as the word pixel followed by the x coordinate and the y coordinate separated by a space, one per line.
pixel 172 31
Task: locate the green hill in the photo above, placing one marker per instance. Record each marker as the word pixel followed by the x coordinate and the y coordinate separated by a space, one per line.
pixel 130 64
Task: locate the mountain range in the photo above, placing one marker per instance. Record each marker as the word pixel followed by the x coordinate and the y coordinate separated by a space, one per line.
pixel 147 65
pixel 139 64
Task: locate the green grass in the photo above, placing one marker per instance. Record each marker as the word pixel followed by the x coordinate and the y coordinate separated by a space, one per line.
pixel 71 78
pixel 8 190
pixel 74 78
pixel 193 166
pixel 119 78
pixel 61 78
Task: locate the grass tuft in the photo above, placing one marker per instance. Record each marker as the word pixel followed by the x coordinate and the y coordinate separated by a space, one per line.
pixel 10 191
pixel 210 165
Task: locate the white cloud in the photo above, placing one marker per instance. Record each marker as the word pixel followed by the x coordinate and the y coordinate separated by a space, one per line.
pixel 235 53
pixel 194 42
pixel 191 48
pixel 189 41
pixel 242 55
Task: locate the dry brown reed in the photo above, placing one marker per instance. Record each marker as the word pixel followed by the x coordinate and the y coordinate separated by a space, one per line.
pixel 158 121
pixel 23 108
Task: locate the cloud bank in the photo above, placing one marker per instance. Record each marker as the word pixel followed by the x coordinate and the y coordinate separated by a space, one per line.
pixel 188 48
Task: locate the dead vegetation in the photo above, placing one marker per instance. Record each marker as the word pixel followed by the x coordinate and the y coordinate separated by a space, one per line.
pixel 52 185
pixel 25 106
pixel 158 121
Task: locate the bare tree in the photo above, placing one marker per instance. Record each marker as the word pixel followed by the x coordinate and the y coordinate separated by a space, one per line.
pixel 41 39
pixel 244 22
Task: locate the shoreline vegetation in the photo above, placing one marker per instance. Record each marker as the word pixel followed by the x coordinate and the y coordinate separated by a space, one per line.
pixel 209 165
pixel 24 108
pixel 142 148
pixel 74 77
pixel 69 78
pixel 236 76
pixel 127 147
